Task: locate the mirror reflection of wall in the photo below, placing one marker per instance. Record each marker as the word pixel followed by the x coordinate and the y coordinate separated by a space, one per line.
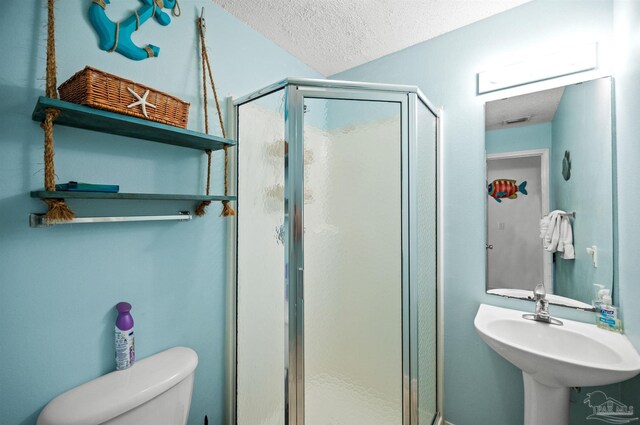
pixel 550 151
pixel 513 225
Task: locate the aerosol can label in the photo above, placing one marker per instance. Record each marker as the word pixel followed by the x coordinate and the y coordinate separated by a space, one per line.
pixel 125 349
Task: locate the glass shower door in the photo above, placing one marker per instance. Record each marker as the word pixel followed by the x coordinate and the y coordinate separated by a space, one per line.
pixel 261 303
pixel 336 302
pixel 423 262
pixel 353 262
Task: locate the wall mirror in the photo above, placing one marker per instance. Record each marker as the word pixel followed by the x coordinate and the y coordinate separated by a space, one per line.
pixel 550 193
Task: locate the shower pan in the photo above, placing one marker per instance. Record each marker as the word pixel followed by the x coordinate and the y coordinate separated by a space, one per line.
pixel 335 299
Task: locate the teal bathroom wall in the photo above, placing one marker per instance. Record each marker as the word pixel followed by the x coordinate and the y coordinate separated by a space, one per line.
pixel 59 286
pixel 627 103
pixel 529 137
pixel 488 390
pixel 582 126
pixel 537 136
pixel 627 87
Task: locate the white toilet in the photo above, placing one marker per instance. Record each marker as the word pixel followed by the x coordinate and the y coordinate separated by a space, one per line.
pixel 154 391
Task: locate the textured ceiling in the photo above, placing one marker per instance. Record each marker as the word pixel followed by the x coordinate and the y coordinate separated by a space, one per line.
pixel 335 35
pixel 539 107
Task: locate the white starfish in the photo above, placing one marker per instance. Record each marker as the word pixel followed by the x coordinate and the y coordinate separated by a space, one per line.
pixel 142 101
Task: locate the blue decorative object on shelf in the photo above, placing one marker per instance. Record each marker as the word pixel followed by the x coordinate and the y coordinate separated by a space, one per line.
pixel 87 187
pixel 116 36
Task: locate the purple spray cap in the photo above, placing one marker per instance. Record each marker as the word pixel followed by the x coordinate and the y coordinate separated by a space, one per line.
pixel 124 322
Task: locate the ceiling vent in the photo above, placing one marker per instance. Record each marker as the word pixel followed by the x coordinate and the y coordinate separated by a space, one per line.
pixel 519 120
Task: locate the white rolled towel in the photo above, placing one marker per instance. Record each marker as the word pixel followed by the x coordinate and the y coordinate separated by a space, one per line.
pixel 544 225
pixel 566 239
pixel 552 233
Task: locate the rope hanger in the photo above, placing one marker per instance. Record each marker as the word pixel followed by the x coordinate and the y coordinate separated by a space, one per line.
pixel 227 210
pixel 58 208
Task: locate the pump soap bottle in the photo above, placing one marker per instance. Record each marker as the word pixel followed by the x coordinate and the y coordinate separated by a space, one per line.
pixel 124 343
pixel 607 313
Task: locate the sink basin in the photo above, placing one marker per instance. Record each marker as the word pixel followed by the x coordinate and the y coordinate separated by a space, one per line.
pixel 573 355
pixel 553 358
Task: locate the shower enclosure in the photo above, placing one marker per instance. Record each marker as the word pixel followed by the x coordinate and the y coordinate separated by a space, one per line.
pixel 336 289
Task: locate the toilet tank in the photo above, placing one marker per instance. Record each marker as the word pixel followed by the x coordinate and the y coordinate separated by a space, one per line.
pixel 154 391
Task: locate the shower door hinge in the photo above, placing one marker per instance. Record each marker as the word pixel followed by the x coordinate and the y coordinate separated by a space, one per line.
pixel 301 282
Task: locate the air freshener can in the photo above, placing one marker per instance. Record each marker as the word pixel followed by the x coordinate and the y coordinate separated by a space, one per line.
pixel 124 341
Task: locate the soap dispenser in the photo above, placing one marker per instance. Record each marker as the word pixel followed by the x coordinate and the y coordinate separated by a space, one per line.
pixel 607 313
pixel 599 292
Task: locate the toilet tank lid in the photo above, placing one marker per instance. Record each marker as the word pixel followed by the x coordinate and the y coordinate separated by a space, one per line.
pixel 117 392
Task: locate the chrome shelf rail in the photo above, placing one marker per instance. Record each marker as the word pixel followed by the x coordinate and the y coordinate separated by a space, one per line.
pixel 38 220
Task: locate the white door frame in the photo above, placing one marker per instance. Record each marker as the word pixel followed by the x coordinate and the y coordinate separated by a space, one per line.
pixel 543 154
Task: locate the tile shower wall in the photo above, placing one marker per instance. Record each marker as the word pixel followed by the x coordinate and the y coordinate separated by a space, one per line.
pixel 58 286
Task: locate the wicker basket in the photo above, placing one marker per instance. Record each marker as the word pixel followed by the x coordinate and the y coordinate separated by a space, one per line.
pixel 101 90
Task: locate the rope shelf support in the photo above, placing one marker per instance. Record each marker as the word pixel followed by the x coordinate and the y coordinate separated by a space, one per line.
pixel 227 210
pixel 58 209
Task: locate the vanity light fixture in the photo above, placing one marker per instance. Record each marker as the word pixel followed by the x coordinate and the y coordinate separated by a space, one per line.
pixel 569 60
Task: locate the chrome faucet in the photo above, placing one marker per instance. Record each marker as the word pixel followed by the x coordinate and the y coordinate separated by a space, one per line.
pixel 542 307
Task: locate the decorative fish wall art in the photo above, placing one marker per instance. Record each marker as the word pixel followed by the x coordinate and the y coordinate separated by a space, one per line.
pixel 506 188
pixel 566 165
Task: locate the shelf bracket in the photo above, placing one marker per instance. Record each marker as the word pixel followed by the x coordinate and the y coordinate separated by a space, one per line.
pixel 38 220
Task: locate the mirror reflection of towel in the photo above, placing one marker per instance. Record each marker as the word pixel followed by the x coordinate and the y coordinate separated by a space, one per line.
pixel 557 234
pixel 544 226
pixel 547 228
pixel 565 243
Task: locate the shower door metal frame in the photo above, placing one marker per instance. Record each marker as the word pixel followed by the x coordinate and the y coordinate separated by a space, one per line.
pixel 294 205
pixel 408 97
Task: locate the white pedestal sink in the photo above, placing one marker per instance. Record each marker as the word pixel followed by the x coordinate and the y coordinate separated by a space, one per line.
pixel 554 358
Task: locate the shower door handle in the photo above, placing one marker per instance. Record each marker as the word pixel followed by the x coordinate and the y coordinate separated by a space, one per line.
pixel 301 282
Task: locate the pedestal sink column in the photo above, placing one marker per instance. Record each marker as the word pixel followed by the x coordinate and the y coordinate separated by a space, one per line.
pixel 544 405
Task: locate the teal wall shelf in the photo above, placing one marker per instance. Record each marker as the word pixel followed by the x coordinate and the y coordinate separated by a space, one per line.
pixel 42 194
pixel 80 116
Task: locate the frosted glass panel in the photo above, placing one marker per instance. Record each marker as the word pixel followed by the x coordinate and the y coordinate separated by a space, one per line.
pixel 261 301
pixel 353 263
pixel 425 261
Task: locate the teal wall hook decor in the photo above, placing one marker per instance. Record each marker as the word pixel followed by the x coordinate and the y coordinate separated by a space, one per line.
pixel 566 166
pixel 116 36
